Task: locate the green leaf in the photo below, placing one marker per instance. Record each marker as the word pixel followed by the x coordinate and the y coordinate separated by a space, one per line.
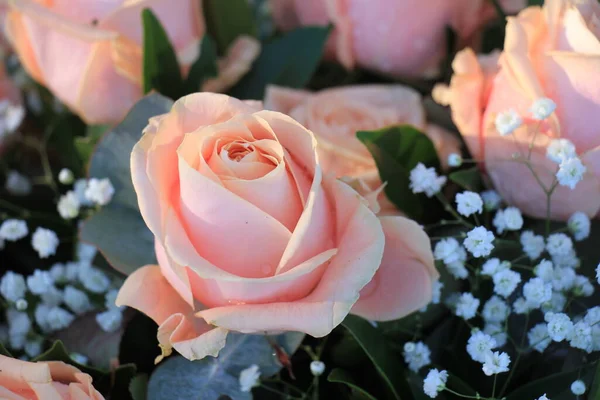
pixel 595 388
pixel 226 20
pixel 160 68
pixel 556 387
pixel 63 135
pixel 397 150
pixel 535 2
pixel 3 351
pixel 138 387
pixel 386 362
pixel 118 229
pixel 85 145
pixel 469 179
pixel 287 61
pixel 178 378
pixel 204 67
pixel 339 375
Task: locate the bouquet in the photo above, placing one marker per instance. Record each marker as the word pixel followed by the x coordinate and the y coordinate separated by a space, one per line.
pixel 292 199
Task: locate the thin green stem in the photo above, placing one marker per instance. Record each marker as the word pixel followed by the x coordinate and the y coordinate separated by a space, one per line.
pixel 462 395
pixel 279 392
pixel 494 386
pixel 448 207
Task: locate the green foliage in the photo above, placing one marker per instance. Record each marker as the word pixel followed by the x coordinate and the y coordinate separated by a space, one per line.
pixel 287 61
pixel 161 70
pixel 338 375
pixel 138 387
pixel 85 145
pixel 226 20
pixel 468 179
pixel 204 67
pixel 557 386
pixel 397 150
pixel 4 352
pixel 178 378
pixel 118 229
pixel 63 133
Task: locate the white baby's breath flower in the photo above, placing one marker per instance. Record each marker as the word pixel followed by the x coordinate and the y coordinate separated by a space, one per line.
pixel 93 279
pixel 86 252
pixel 68 205
pixel 496 331
pixel 494 265
pixel 578 387
pixel 480 345
pixel 495 310
pixel 426 180
pixel 466 306
pixel 317 368
pixel 65 176
pixel 435 382
pixel 21 305
pixel 458 270
pixel 479 242
pixel 522 306
pixel 556 304
pixel 45 242
pixel 496 363
pixel 560 150
pixel 58 318
pixel 559 326
pixel 499 222
pixel 40 282
pixel 52 297
pixel 542 108
pixel 33 348
pixel 581 336
pixel 417 355
pixel 544 270
pixel 543 397
pixel 537 292
pixel 513 220
pixel 17 184
pixel 582 286
pixel 505 282
pixel 507 122
pixel 446 250
pixel 455 160
pixel 436 292
pixel 77 300
pixel 538 337
pixel 559 244
pixel 110 298
pixel 80 187
pixel 579 224
pixel 58 273
pixel 12 286
pixel 110 320
pixel 12 230
pixel 249 378
pixel 564 279
pixel 491 200
pixel 533 245
pixel 99 191
pixel 571 172
pixel 18 322
pixel 469 203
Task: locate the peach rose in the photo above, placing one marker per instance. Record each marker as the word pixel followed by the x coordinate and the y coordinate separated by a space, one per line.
pixel 551 52
pixel 44 380
pixel 89 54
pixel 335 115
pixel 252 237
pixel 396 37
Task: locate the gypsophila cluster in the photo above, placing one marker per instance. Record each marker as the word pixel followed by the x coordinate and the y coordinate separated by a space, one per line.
pixel 416 355
pixel 435 382
pixel 426 180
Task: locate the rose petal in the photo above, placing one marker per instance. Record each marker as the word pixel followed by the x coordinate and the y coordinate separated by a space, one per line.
pixel 403 282
pixel 281 99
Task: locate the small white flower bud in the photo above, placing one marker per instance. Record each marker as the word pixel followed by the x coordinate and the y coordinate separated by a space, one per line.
pixel 317 368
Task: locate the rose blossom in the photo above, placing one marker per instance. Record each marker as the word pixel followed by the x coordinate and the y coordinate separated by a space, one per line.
pixel 252 237
pixel 335 115
pixel 550 52
pixel 44 380
pixel 397 37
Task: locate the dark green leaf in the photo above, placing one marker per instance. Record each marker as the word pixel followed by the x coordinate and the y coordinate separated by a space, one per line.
pixel 535 2
pixel 118 229
pixel 139 387
pixel 469 179
pixel 595 389
pixel 4 352
pixel 338 375
pixel 178 378
pixel 397 150
pixel 556 387
pixel 226 20
pixel 287 61
pixel 63 134
pixel 160 68
pixel 386 362
pixel 204 67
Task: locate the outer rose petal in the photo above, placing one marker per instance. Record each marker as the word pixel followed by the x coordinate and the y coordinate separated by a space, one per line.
pixel 148 291
pixel 403 282
pixel 359 254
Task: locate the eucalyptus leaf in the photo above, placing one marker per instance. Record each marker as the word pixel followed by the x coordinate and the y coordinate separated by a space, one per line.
pixel 287 61
pixel 397 150
pixel 227 20
pixel 210 378
pixel 161 69
pixel 385 361
pixel 338 375
pixel 118 229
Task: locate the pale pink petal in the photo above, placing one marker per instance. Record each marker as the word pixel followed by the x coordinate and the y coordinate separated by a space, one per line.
pixel 279 98
pixel 284 14
pixel 404 281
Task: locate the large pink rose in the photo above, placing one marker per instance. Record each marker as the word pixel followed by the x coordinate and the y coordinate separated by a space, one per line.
pixel 89 54
pixel 335 115
pixel 551 52
pixel 396 37
pixel 44 380
pixel 252 237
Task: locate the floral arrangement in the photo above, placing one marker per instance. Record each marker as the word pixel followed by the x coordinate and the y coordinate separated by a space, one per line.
pixel 292 199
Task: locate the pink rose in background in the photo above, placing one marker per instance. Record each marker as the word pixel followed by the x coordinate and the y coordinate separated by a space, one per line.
pixel 335 115
pixel 551 52
pixel 396 37
pixel 44 380
pixel 89 54
pixel 252 236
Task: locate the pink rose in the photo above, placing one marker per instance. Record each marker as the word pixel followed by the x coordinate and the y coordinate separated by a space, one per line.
pixel 252 237
pixel 89 54
pixel 335 115
pixel 44 380
pixel 551 52
pixel 396 37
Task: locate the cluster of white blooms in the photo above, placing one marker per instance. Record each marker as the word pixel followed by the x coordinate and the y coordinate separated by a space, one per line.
pixel 48 301
pixel 491 200
pixel 84 194
pixel 435 382
pixel 426 180
pixel 416 355
pixel 469 203
pixel 479 242
pixel 507 122
pixel 453 255
pixel 44 241
pixel 509 219
pixel 570 168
